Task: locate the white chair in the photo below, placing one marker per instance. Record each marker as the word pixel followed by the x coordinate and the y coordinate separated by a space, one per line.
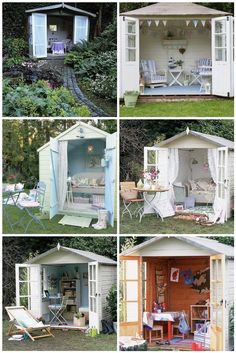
pixel 57 311
pixel 152 76
pixel 201 73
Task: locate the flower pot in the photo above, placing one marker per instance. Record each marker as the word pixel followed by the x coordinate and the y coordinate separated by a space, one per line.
pixel 130 100
pixel 79 322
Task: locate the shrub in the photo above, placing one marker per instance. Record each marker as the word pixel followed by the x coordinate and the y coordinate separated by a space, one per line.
pixel 13 47
pixel 104 86
pixel 39 99
pixel 111 300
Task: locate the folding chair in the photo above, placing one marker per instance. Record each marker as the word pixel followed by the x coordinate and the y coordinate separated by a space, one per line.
pixel 26 323
pixel 30 206
pixel 130 197
pixel 203 69
pixel 57 311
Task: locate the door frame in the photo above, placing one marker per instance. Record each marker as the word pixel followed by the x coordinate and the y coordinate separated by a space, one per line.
pixel 33 34
pixel 54 206
pixel 222 186
pixel 94 316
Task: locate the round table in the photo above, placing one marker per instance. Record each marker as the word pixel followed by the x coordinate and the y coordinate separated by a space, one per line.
pixel 58 48
pixel 153 202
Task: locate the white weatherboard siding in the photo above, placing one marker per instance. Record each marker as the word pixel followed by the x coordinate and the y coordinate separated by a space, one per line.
pixel 229 297
pixel 231 181
pixel 44 175
pixel 107 279
pixel 88 133
pixel 62 257
pixel 189 141
pixel 171 247
pixel 198 44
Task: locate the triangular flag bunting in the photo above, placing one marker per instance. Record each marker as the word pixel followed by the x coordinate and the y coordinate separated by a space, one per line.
pixel 149 23
pixel 157 23
pixel 203 22
pixel 164 23
pixel 195 22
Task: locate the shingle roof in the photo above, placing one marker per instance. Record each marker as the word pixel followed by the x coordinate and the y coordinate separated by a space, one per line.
pixel 213 246
pixel 183 9
pixel 61 6
pixel 219 141
pixel 89 255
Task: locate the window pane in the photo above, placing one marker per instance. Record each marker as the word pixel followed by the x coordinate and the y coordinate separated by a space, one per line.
pixel 24 288
pixel 24 302
pixel 131 290
pixel 220 26
pixel 220 40
pixel 23 274
pixel 131 27
pixel 151 157
pixel 131 42
pixel 131 55
pixel 221 54
pixel 132 312
pixel 131 269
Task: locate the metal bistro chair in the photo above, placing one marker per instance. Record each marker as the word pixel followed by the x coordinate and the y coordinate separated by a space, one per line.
pixel 130 197
pixel 30 206
pixel 57 311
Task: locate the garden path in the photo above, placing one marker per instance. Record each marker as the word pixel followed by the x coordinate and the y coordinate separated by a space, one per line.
pixel 70 82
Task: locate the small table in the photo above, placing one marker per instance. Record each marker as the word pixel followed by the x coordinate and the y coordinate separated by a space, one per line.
pixel 168 316
pixel 175 74
pixel 14 196
pixel 153 202
pixel 58 48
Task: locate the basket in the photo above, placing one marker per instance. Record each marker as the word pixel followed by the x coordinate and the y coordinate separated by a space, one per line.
pixel 129 194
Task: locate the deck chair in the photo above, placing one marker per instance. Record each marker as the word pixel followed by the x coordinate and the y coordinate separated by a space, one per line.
pixel 202 71
pixel 25 323
pixel 130 197
pixel 29 207
pixel 152 76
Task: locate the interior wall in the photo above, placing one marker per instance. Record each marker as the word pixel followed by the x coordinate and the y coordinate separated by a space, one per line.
pixel 78 156
pixel 198 43
pixel 178 295
pixel 187 170
pixel 64 28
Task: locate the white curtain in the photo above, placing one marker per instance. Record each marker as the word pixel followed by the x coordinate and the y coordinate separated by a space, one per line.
pixel 81 29
pixel 40 28
pixel 173 171
pixel 212 161
pixel 63 173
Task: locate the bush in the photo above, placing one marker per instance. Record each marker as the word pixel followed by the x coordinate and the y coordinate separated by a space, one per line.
pixel 14 51
pixel 111 300
pixel 39 99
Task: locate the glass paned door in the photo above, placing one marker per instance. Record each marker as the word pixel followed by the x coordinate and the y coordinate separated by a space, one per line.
pixel 130 295
pixel 39 32
pixel 220 40
pixel 222 176
pixel 131 41
pixel 217 301
pixel 81 28
pixel 94 295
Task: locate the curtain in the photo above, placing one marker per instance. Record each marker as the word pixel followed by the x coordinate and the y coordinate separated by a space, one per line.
pixel 63 173
pixel 40 35
pixel 81 28
pixel 173 171
pixel 212 161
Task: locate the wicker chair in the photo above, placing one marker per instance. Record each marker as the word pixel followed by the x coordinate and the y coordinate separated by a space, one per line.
pixel 130 197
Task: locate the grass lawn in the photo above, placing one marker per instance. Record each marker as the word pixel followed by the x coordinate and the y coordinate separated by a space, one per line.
pixel 152 225
pixel 203 108
pixel 52 226
pixel 70 340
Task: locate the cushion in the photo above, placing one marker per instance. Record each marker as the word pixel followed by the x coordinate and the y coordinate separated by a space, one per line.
pixel 10 187
pixel 193 184
pixel 129 194
pixel 203 184
pixel 19 186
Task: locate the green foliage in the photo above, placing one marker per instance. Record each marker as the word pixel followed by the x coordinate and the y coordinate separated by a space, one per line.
pixel 231 323
pixel 14 47
pixel 111 300
pixel 39 99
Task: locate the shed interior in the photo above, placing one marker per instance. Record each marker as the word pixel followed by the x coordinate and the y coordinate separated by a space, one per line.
pixel 60 29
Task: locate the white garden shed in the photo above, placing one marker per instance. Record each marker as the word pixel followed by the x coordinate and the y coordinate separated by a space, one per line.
pixel 59 23
pixel 79 170
pixel 188 32
pixel 148 266
pixel 85 278
pixel 202 164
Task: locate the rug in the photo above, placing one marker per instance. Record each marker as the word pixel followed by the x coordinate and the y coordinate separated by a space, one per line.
pixel 83 222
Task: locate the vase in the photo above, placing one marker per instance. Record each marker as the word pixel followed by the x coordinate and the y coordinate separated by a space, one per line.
pixel 147 184
pixel 140 184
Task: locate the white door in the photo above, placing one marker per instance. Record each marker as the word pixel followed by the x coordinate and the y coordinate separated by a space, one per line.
pixel 110 176
pixel 222 56
pixel 29 288
pixel 217 302
pixel 156 158
pixel 129 54
pixel 54 174
pixel 94 296
pixel 39 35
pixel 222 184
pixel 81 29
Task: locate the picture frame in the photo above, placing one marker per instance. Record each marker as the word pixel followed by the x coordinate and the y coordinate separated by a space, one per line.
pixel 174 274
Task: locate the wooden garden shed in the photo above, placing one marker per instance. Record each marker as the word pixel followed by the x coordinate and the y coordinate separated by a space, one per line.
pixel 202 164
pixel 82 276
pixel 188 32
pixel 60 23
pixel 147 276
pixel 79 170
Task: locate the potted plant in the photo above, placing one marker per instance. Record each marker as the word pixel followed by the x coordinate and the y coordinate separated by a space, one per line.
pixel 111 307
pixel 131 98
pixel 179 63
pixel 79 319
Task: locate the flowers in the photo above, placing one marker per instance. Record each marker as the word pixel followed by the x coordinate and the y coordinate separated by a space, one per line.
pixel 151 175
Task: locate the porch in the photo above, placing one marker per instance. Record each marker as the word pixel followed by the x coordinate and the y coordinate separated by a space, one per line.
pixel 174 90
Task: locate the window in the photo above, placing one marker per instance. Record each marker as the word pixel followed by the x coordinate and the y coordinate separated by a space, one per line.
pixel 131 41
pixel 144 287
pixel 220 40
pixel 53 28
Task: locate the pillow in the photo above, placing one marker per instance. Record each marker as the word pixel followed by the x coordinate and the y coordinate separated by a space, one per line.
pixel 178 183
pixel 10 187
pixel 203 184
pixel 19 186
pixel 193 184
pixel 129 194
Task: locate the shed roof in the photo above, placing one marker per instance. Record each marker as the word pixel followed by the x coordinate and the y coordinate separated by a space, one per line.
pixel 89 255
pixel 217 140
pixel 80 123
pixel 165 9
pixel 61 6
pixel 213 246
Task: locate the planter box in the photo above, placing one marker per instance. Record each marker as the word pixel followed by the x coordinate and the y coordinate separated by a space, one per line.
pixel 130 100
pixel 79 322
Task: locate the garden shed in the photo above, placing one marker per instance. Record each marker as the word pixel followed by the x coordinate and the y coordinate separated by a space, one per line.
pixel 201 164
pixel 79 170
pixel 155 271
pixel 83 277
pixel 56 27
pixel 198 36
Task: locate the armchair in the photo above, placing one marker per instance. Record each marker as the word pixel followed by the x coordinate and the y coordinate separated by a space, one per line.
pixel 152 76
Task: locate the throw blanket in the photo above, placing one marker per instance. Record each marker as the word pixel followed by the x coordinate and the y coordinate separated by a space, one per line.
pixel 147 320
